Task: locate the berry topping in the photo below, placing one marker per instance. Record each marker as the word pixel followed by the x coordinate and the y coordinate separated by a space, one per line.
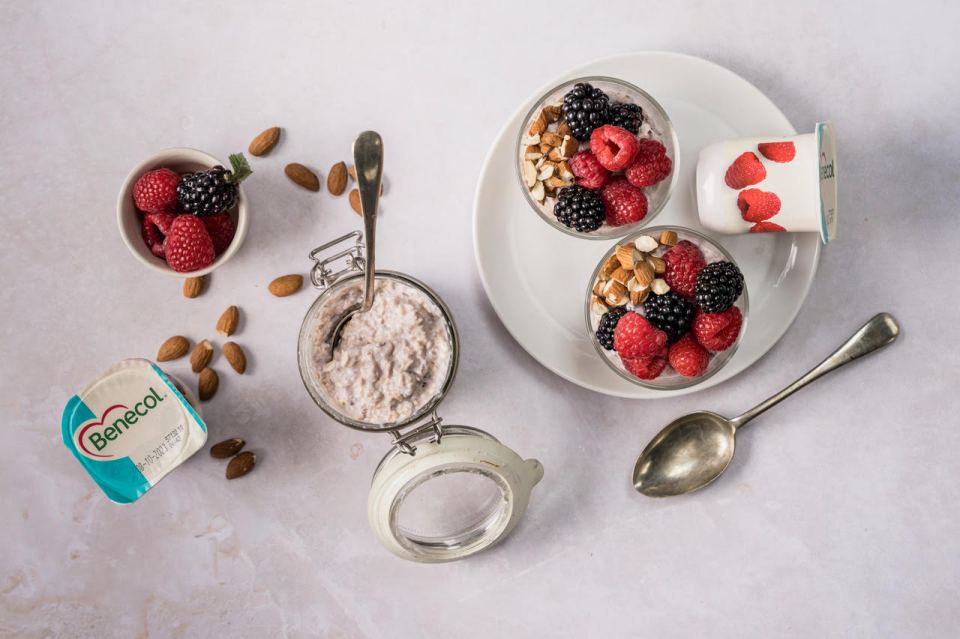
pixel 607 325
pixel 745 170
pixel 214 190
pixel 626 116
pixel 590 173
pixel 688 357
pixel 767 227
pixel 650 165
pixel 188 246
pixel 756 205
pixel 636 337
pixel 670 313
pixel 647 367
pixel 221 229
pixel 717 331
pixel 778 151
pixel 152 237
pixel 613 146
pixel 684 262
pixel 156 190
pixel 579 208
pixel 719 285
pixel 625 203
pixel 162 220
pixel 585 107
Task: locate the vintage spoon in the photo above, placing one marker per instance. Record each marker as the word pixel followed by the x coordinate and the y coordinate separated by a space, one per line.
pixel 695 449
pixel 368 161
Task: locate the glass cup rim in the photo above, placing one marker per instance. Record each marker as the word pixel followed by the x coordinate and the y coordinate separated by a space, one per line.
pixel 651 384
pixel 346 420
pixel 626 229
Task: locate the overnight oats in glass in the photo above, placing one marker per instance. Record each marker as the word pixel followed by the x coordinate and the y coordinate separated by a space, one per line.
pixel 666 308
pixel 596 157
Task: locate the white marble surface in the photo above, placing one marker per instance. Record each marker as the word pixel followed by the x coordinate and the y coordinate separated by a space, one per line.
pixel 838 518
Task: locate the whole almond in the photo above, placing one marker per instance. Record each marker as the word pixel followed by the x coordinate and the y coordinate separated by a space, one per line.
pixel 175 347
pixel 235 357
pixel 193 286
pixel 286 285
pixel 337 179
pixel 227 448
pixel 668 237
pixel 201 355
pixel 263 143
pixel 241 465
pixel 302 176
pixel 355 201
pixel 227 324
pixel 207 384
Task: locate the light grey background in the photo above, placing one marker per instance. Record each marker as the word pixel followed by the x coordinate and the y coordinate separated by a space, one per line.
pixel 839 516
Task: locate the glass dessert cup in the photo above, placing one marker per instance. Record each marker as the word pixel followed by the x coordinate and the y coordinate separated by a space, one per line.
pixel 656 124
pixel 668 379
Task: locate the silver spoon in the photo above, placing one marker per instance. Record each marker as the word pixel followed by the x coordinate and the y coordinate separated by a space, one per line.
pixel 695 449
pixel 368 161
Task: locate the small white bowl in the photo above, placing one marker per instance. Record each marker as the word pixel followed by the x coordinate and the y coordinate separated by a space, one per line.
pixel 181 160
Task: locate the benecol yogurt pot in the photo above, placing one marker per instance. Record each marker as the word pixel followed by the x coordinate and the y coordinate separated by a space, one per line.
pixel 130 427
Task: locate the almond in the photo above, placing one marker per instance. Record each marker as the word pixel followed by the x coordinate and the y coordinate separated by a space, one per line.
pixel 355 201
pixel 668 238
pixel 241 465
pixel 174 348
pixel 660 287
pixel 263 143
pixel 659 266
pixel 637 297
pixel 615 293
pixel 598 287
pixel 569 146
pixel 621 275
pixel 628 256
pixel 227 324
pixel 609 266
pixel 529 174
pixel 563 128
pixel 564 170
pixel 286 285
pixel 644 273
pixel 539 125
pixel 201 355
pixel 235 357
pixel 551 138
pixel 207 384
pixel 552 112
pixel 556 154
pixel 352 172
pixel 538 192
pixel 555 183
pixel 193 286
pixel 646 243
pixel 337 179
pixel 597 305
pixel 227 448
pixel 302 176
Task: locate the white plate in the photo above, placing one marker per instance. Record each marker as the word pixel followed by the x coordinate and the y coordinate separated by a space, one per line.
pixel 536 276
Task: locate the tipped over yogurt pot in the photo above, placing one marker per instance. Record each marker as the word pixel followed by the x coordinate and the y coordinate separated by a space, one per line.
pixel 770 184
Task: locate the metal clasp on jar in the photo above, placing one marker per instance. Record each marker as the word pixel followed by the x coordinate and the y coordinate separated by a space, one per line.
pixel 402 441
pixel 322 274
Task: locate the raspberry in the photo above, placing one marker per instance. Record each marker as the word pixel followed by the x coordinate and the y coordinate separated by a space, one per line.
pixel 767 227
pixel 613 146
pixel 590 173
pixel 221 229
pixel 688 357
pixel 717 331
pixel 684 262
pixel 778 151
pixel 756 205
pixel 745 170
pixel 625 204
pixel 152 237
pixel 162 220
pixel 636 337
pixel 646 367
pixel 650 164
pixel 188 246
pixel 156 190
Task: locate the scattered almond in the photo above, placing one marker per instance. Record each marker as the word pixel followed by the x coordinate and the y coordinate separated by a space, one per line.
pixel 659 266
pixel 263 143
pixel 668 238
pixel 235 357
pixel 174 348
pixel 551 112
pixel 227 448
pixel 563 169
pixel 302 176
pixel 644 273
pixel 227 324
pixel 609 266
pixel 286 285
pixel 201 355
pixel 628 256
pixel 646 244
pixel 615 293
pixel 598 287
pixel 551 138
pixel 337 179
pixel 563 128
pixel 539 125
pixel 241 465
pixel 569 146
pixel 193 286
pixel 597 305
pixel 637 297
pixel 529 174
pixel 207 384
pixel 659 286
pixel 621 275
pixel 355 201
pixel 538 192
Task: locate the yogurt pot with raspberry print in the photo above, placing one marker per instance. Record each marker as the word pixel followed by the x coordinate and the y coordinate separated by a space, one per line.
pixel 770 184
pixel 666 308
pixel 597 157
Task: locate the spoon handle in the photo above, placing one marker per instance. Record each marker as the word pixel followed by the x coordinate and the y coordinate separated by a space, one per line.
pixel 881 330
pixel 368 161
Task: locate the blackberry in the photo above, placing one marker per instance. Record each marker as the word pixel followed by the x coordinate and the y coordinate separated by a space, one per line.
pixel 214 190
pixel 580 208
pixel 718 286
pixel 585 107
pixel 626 116
pixel 670 313
pixel 608 323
